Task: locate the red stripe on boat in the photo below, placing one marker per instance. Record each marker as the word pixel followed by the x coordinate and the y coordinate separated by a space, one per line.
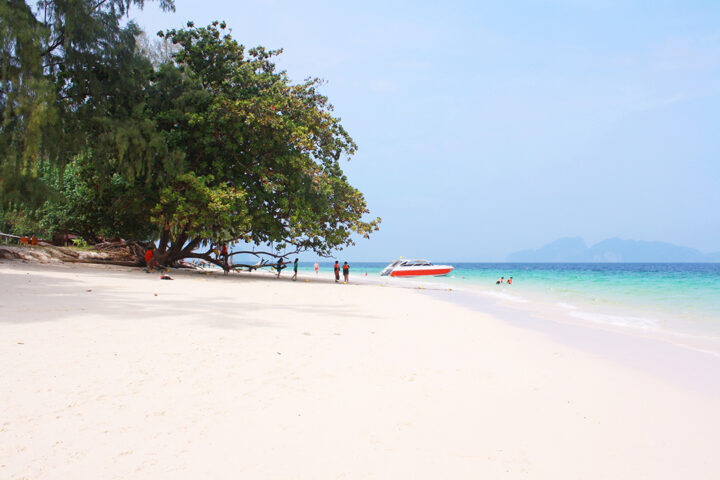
pixel 415 273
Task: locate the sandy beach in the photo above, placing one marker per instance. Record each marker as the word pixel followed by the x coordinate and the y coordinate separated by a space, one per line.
pixel 112 373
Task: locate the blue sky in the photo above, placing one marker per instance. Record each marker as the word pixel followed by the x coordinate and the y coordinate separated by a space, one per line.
pixel 490 127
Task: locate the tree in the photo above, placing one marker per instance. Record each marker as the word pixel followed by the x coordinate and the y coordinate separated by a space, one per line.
pixel 70 83
pixel 261 155
pixel 213 147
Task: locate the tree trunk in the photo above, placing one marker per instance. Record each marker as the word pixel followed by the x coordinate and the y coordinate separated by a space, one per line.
pixel 172 254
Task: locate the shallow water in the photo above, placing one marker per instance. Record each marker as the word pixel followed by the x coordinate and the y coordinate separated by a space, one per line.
pixel 676 297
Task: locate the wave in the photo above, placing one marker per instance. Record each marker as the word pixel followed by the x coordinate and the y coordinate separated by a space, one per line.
pixel 616 320
pixel 566 306
pixel 503 296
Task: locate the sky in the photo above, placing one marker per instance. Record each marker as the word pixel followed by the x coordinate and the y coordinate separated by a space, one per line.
pixel 489 127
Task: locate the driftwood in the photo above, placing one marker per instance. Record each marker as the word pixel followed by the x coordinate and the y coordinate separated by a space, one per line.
pixel 123 253
pixel 49 254
pixel 118 253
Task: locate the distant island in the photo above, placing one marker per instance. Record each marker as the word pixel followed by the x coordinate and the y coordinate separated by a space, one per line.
pixel 612 250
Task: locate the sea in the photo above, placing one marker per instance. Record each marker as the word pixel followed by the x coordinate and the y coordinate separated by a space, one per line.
pixel 675 298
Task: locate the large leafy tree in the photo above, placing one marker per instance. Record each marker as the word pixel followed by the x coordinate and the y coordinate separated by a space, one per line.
pixel 261 154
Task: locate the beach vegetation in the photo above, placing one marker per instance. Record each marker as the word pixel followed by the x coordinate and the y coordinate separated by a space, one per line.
pixel 71 82
pixel 260 155
pixel 193 142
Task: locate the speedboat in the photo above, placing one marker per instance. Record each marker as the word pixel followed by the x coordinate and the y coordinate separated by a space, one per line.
pixel 415 268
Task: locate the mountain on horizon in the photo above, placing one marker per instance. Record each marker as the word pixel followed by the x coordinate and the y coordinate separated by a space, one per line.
pixel 574 249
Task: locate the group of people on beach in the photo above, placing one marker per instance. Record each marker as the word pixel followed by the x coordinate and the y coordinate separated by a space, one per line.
pixel 501 280
pixel 336 268
pixel 281 265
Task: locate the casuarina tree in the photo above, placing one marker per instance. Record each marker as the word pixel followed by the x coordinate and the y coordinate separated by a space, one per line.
pixel 70 83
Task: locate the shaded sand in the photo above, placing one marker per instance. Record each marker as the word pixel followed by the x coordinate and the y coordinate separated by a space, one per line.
pixel 249 377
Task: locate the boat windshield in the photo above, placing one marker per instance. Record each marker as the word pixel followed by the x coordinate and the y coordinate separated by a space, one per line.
pixel 416 263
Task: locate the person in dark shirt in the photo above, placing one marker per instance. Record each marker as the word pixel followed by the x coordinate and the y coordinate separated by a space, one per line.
pixel 337 271
pixel 295 265
pixel 346 272
pixel 280 266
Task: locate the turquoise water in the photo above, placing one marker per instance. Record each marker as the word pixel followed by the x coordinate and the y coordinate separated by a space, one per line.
pixel 680 297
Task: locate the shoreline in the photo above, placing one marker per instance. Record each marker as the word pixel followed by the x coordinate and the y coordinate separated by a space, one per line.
pixel 663 353
pixel 684 361
pixel 549 309
pixel 115 373
pixel 662 296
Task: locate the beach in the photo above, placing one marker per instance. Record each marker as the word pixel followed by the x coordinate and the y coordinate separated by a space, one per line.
pixel 109 372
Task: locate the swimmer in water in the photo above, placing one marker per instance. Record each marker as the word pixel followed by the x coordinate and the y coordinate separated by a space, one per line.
pixel 502 280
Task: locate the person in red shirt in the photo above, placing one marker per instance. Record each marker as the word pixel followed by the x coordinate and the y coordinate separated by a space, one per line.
pixel 509 281
pixel 149 254
pixel 337 271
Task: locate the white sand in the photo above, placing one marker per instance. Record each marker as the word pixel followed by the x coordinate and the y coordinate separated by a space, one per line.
pixel 252 378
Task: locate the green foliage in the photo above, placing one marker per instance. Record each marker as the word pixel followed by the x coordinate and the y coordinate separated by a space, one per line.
pixel 192 207
pixel 243 126
pixel 80 242
pixel 27 97
pixel 71 82
pixel 97 201
pixel 89 200
pixel 212 147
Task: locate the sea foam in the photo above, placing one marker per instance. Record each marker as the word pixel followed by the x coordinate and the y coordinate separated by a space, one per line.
pixel 503 296
pixel 616 320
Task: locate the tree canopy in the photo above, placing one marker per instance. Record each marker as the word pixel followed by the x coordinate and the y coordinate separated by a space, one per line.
pixel 68 71
pixel 265 150
pixel 202 145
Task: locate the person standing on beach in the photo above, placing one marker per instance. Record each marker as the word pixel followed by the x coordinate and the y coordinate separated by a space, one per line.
pixel 224 258
pixel 149 254
pixel 295 265
pixel 346 272
pixel 317 267
pixel 280 267
pixel 337 271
